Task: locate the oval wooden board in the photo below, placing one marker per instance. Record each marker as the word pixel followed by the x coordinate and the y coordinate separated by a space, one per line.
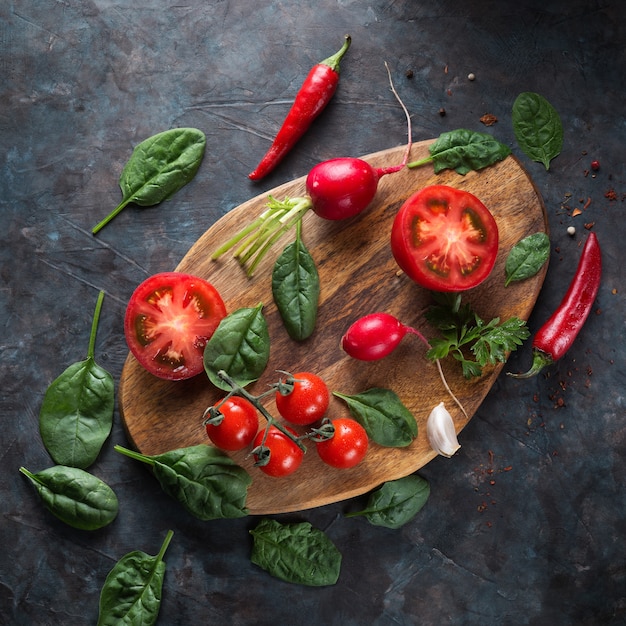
pixel 358 276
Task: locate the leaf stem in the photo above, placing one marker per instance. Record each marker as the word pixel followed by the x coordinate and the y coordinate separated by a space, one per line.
pixel 94 326
pixel 118 209
pixel 164 546
pixel 134 455
pixel 419 163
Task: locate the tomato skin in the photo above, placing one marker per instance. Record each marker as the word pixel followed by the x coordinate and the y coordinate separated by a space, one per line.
pixel 285 455
pixel 169 319
pixel 307 402
pixel 445 239
pixel 238 427
pixel 347 447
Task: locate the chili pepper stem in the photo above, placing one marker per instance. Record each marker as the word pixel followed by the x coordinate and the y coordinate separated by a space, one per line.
pixel 540 360
pixel 334 60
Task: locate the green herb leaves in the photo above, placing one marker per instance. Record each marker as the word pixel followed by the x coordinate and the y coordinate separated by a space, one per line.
pixel 158 167
pixel 76 415
pixel 396 502
pixel 132 590
pixel 463 151
pixel 381 412
pixel 296 553
pixel 296 288
pixel 240 346
pixel 537 127
pixel 527 257
pixel 75 496
pixel 462 328
pixel 205 480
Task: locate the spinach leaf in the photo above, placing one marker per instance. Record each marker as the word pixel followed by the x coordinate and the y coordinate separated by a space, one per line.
pixel 158 167
pixel 296 553
pixel 131 593
pixel 206 481
pixel 76 415
pixel 527 257
pixel 537 127
pixel 381 412
pixel 240 346
pixel 296 288
pixel 395 502
pixel 464 150
pixel 75 496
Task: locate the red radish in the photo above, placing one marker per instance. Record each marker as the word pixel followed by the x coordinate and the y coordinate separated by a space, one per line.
pixel 335 189
pixel 373 337
pixel 343 187
pixel 377 335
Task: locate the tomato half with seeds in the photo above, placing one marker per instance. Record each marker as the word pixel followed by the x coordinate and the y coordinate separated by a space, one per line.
pixel 169 319
pixel 445 239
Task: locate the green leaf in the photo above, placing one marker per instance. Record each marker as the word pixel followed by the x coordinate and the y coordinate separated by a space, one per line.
pixel 204 480
pixel 131 593
pixel 296 553
pixel 396 502
pixel 158 167
pixel 75 496
pixel 537 127
pixel 381 412
pixel 240 346
pixel 463 329
pixel 76 415
pixel 296 289
pixel 527 257
pixel 463 151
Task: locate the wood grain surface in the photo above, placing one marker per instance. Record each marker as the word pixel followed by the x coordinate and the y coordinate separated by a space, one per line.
pixel 358 275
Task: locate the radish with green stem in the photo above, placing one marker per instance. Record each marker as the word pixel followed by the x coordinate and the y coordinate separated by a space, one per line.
pixel 336 189
pixel 377 335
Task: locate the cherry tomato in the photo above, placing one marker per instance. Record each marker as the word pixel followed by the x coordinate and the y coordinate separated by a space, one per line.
pixel 285 454
pixel 445 239
pixel 347 447
pixel 169 319
pixel 238 427
pixel 308 400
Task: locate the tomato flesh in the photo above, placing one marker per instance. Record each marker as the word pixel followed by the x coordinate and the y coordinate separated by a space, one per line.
pixel 169 319
pixel 445 239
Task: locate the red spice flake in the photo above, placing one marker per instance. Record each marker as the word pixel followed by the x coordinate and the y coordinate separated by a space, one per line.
pixel 576 212
pixel 488 119
pixel 445 69
pixel 508 468
pixel 611 195
pixel 587 203
pixel 589 225
pixel 482 507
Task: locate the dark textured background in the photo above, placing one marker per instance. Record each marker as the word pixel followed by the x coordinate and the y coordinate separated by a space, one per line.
pixel 526 525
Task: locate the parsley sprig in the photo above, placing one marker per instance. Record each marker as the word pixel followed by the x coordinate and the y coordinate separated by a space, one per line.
pixel 472 341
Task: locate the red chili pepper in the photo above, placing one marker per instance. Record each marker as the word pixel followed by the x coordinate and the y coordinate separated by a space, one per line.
pixel 556 336
pixel 316 91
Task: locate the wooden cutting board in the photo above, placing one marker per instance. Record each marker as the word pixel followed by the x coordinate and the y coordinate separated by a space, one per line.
pixel 358 276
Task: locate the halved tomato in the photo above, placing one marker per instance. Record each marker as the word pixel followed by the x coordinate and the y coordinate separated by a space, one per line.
pixel 169 319
pixel 445 239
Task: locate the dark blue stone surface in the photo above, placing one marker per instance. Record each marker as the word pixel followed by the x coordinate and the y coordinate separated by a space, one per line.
pixel 527 524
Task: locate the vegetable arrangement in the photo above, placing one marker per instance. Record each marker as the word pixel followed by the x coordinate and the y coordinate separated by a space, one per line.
pixel 177 326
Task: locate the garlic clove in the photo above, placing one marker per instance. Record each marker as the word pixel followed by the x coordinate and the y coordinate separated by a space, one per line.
pixel 440 431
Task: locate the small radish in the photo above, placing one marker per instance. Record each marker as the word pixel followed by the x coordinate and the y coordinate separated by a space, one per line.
pixel 377 335
pixel 336 189
pixel 374 336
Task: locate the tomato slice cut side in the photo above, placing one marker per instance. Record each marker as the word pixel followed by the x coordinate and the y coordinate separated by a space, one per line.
pixel 445 239
pixel 169 319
